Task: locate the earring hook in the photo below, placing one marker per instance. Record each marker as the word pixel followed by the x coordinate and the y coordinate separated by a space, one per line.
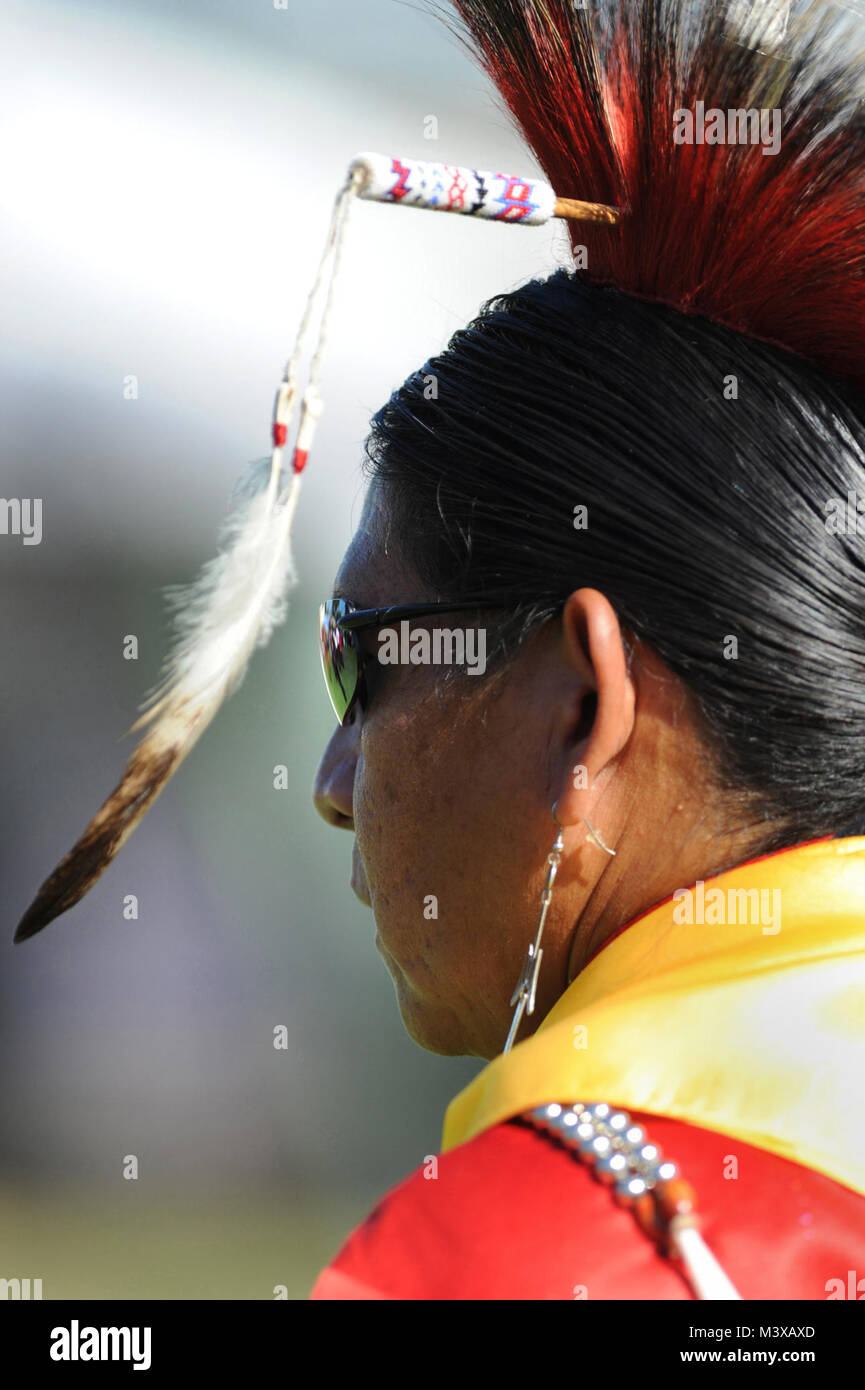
pixel 593 834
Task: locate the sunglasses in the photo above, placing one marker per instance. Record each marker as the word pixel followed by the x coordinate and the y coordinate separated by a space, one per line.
pixel 342 660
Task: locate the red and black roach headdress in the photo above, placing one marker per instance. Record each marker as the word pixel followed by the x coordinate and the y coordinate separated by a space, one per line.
pixel 732 137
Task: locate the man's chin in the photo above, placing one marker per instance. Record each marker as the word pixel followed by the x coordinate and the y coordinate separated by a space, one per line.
pixel 433 1027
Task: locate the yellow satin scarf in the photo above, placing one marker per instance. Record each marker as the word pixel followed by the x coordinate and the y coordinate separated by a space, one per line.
pixel 748 1020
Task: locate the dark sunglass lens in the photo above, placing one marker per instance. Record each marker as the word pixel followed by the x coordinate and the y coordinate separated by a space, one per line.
pixel 339 657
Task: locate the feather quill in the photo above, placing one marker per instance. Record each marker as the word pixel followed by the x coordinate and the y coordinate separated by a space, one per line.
pixel 234 606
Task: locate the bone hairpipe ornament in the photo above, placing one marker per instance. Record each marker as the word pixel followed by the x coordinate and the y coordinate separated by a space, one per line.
pixel 421 183
pixel 240 597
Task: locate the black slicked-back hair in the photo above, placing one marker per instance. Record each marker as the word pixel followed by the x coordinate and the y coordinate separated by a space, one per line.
pixel 716 473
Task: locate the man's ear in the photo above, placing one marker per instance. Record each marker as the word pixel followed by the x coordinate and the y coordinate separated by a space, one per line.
pixel 593 647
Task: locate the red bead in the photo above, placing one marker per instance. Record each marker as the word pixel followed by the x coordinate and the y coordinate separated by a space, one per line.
pixel 645 1211
pixel 300 457
pixel 280 434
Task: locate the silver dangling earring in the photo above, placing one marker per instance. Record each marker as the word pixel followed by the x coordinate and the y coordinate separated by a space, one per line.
pixel 527 985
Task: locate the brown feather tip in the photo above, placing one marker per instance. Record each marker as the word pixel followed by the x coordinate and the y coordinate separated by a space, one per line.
pixel 146 774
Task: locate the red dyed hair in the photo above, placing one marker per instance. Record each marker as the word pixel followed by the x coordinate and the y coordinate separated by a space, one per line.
pixel 770 245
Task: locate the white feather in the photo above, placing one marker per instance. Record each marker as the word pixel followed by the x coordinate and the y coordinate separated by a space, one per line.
pixel 239 599
pixel 234 607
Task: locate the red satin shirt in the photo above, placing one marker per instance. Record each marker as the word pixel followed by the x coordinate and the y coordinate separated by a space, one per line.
pixel 513 1215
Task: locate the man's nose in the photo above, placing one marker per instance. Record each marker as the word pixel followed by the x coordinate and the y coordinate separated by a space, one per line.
pixel 333 787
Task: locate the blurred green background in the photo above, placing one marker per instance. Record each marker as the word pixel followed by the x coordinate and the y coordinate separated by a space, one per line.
pixel 166 176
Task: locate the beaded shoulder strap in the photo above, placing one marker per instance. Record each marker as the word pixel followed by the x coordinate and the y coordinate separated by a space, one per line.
pixel 620 1155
